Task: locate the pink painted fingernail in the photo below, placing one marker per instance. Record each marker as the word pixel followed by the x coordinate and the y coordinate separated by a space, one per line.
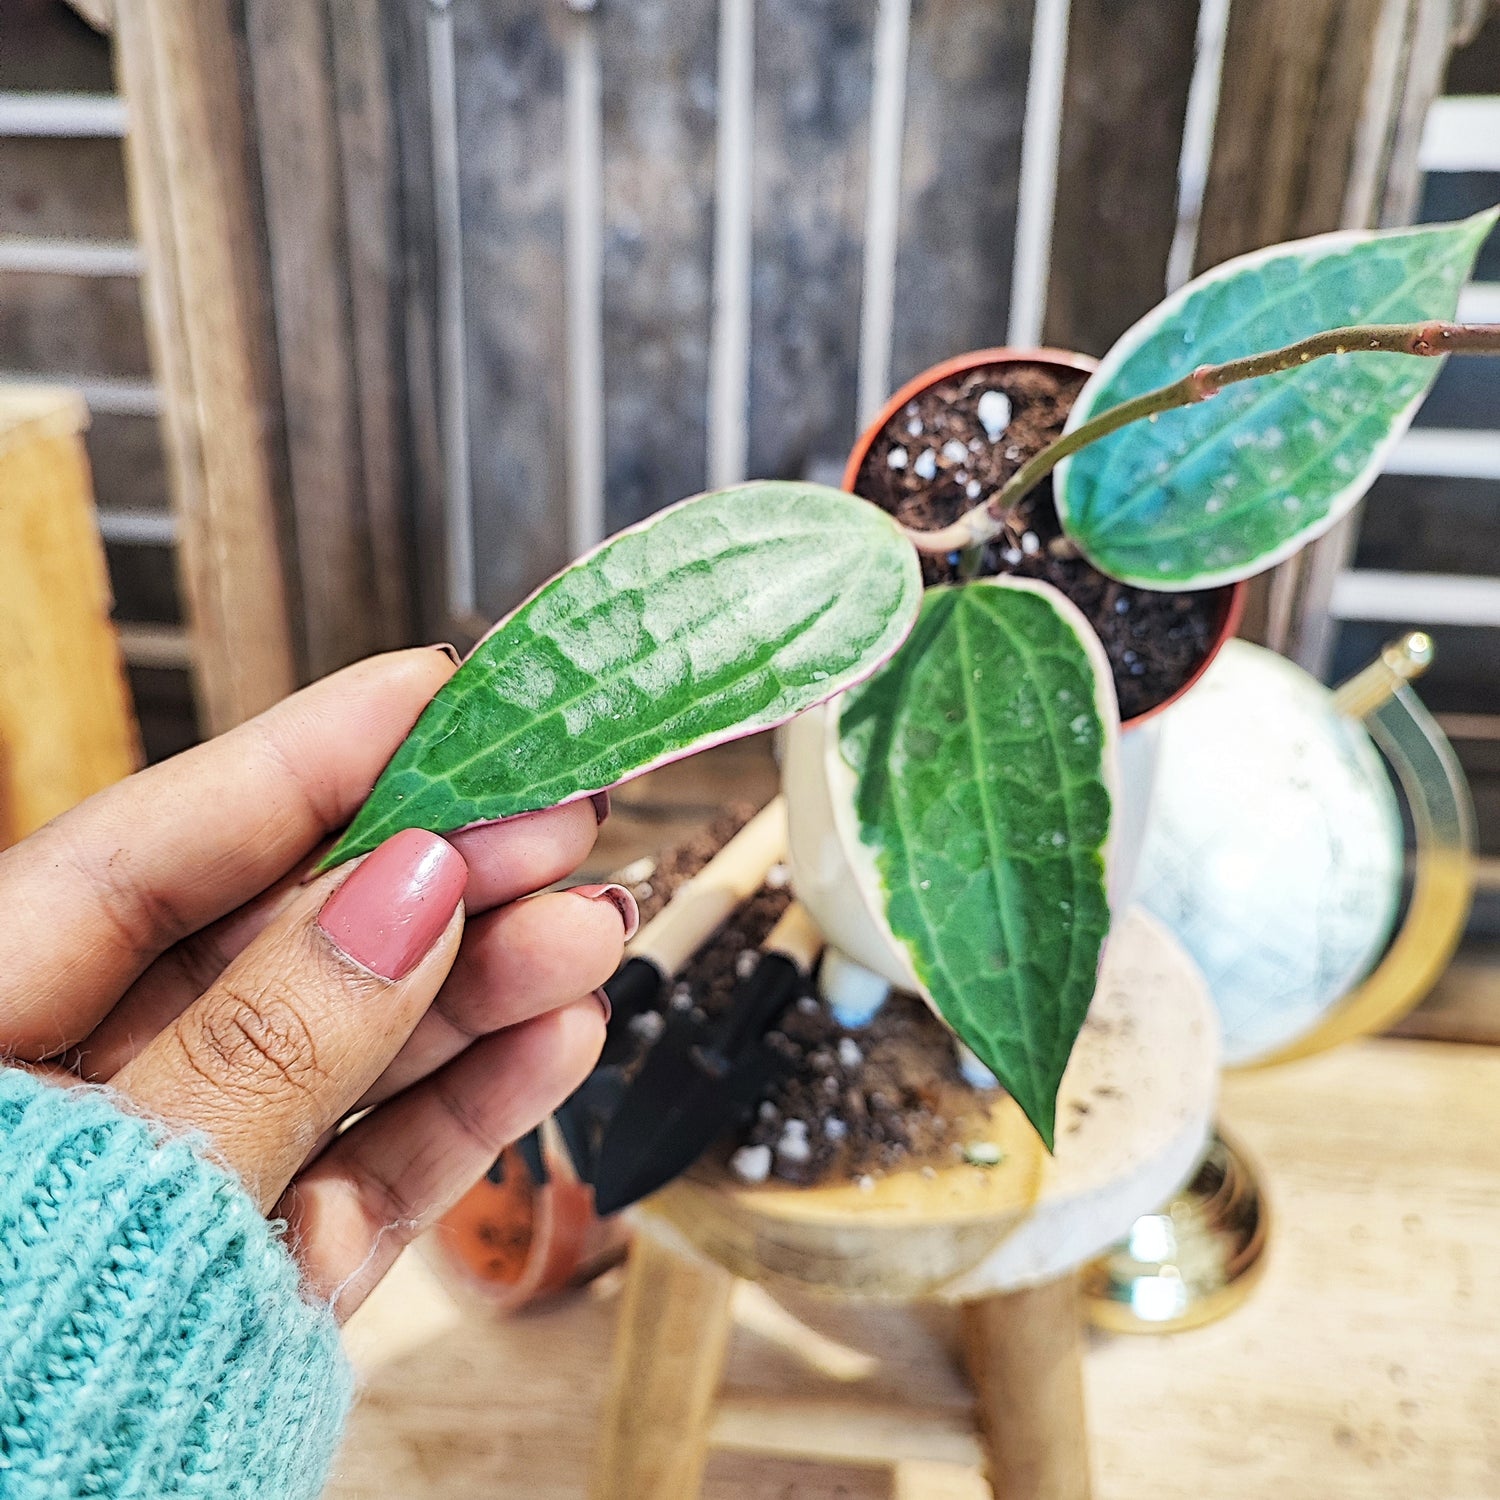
pixel 397 904
pixel 618 897
pixel 602 996
pixel 601 806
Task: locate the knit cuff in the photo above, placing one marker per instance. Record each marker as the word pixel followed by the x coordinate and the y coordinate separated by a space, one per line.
pixel 154 1339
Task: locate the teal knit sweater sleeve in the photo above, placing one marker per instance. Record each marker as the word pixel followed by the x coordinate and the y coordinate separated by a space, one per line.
pixel 154 1340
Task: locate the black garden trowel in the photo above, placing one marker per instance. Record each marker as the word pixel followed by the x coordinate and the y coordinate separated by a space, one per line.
pixel 701 1076
pixel 696 911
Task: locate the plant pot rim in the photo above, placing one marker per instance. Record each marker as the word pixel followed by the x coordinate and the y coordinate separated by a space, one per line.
pixel 1233 607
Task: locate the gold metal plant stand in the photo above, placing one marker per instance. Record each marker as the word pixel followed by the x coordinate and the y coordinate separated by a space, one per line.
pixel 1198 1257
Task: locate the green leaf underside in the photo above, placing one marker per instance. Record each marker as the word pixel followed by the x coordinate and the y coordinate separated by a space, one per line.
pixel 718 617
pixel 979 751
pixel 1219 490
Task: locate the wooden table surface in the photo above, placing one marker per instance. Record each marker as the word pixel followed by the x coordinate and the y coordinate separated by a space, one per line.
pixel 1367 1363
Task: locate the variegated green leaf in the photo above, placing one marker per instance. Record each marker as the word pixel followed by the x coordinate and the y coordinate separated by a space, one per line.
pixel 984 757
pixel 1218 491
pixel 722 615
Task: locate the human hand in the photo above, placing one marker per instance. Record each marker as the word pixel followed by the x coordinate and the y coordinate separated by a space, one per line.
pixel 160 938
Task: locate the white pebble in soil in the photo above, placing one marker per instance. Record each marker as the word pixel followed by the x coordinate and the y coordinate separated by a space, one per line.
pixel 682 998
pixel 983 1154
pixel 768 1111
pixel 751 1163
pixel 954 451
pixel 648 1025
pixel 793 1146
pixel 834 1128
pixel 897 458
pixel 1031 543
pixel 926 465
pixel 849 1054
pixel 972 488
pixel 809 1005
pixel 867 1184
pixel 914 426
pixel 745 965
pixel 994 413
pixel 1012 555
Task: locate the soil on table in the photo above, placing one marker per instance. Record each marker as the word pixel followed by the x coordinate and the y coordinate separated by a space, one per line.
pixel 853 1103
pixel 950 449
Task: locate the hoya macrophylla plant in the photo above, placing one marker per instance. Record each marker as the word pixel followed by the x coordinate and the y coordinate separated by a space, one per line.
pixel 719 616
pixel 981 752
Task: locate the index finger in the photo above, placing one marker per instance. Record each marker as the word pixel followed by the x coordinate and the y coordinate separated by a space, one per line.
pixel 96 895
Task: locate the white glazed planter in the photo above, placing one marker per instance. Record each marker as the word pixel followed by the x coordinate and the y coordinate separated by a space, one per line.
pixel 834 873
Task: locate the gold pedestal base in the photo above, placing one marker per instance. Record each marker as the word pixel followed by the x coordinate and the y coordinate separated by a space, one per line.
pixel 1193 1261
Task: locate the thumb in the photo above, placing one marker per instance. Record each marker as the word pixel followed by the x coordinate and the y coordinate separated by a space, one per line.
pixel 300 1025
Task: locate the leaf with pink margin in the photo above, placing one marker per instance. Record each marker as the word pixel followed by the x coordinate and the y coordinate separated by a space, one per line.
pixel 715 618
pixel 985 762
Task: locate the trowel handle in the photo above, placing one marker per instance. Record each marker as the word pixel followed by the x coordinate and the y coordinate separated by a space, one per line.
pixel 701 905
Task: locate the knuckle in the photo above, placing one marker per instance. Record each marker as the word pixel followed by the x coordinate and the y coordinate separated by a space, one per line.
pixel 255 1042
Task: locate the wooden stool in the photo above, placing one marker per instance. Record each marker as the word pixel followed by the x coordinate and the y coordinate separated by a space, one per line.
pixel 1004 1242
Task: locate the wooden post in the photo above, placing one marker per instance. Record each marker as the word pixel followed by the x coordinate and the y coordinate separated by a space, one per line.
pixel 66 726
pixel 323 140
pixel 669 1355
pixel 1125 99
pixel 193 204
pixel 1026 1363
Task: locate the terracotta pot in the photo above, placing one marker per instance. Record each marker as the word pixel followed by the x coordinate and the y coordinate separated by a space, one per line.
pixel 512 1243
pixel 1232 603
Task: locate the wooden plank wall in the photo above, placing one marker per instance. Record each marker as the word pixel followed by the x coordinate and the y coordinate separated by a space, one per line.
pixel 659 118
pixel 190 152
pixel 1130 65
pixel 659 96
pixel 510 78
pixel 326 216
pixel 812 113
pixel 371 371
pixel 965 105
pixel 461 304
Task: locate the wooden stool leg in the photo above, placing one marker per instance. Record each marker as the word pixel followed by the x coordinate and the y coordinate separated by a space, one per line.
pixel 1026 1363
pixel 670 1345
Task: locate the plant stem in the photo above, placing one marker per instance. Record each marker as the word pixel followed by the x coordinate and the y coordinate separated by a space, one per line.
pixel 985 522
